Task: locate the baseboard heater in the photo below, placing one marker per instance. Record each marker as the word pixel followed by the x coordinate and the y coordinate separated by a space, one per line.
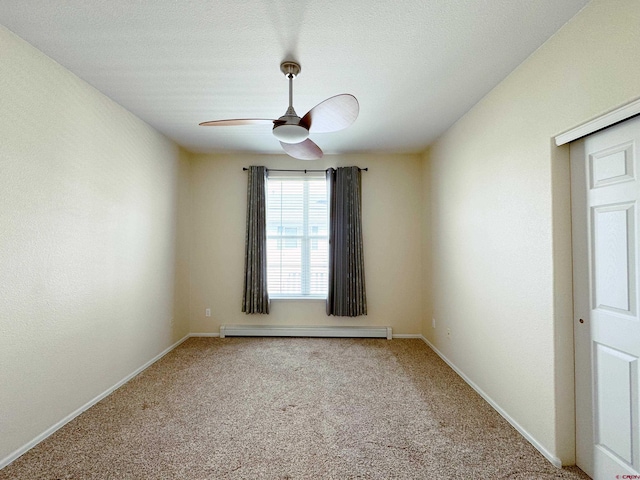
pixel 302 331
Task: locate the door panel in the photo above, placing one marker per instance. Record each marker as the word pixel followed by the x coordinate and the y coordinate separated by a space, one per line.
pixel 613 165
pixel 605 195
pixel 612 237
pixel 615 394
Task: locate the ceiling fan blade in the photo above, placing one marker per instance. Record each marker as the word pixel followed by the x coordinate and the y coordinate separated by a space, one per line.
pixel 236 121
pixel 306 150
pixel 335 113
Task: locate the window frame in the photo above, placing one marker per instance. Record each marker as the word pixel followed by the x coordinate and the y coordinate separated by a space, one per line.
pixel 309 241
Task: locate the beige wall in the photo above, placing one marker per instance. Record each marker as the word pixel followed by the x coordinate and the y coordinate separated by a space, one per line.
pixel 114 241
pixel 391 207
pixel 93 235
pixel 500 220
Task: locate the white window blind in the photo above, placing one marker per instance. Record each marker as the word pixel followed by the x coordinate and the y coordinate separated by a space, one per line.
pixel 297 235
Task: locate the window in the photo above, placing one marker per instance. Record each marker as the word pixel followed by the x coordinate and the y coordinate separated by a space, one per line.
pixel 297 235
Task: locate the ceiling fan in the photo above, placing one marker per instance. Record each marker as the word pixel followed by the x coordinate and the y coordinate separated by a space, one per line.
pixel 333 114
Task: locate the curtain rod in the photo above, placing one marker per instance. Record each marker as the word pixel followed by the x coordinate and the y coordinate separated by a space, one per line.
pixel 305 171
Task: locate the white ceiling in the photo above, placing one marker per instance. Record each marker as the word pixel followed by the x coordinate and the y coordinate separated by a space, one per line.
pixel 416 66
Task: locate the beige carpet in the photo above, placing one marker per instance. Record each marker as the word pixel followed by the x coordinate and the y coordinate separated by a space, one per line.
pixel 287 408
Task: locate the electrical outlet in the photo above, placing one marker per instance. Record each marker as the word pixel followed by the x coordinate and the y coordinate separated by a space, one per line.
pixel 433 322
pixel 448 333
pixel 207 312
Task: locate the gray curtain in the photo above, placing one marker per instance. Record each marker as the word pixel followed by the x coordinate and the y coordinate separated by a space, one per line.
pixel 346 296
pixel 255 298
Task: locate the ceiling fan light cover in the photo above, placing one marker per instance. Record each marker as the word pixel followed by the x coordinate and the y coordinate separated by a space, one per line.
pixel 290 133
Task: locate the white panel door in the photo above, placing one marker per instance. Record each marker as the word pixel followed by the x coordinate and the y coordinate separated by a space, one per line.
pixel 605 195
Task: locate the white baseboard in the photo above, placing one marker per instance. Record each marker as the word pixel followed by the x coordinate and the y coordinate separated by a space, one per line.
pixel 203 335
pixel 530 438
pixel 29 445
pixel 304 331
pixel 407 335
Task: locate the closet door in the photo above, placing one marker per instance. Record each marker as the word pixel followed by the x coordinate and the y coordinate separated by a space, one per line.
pixel 605 194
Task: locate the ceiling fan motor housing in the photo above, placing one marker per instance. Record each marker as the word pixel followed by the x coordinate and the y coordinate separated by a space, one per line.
pixel 289 128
